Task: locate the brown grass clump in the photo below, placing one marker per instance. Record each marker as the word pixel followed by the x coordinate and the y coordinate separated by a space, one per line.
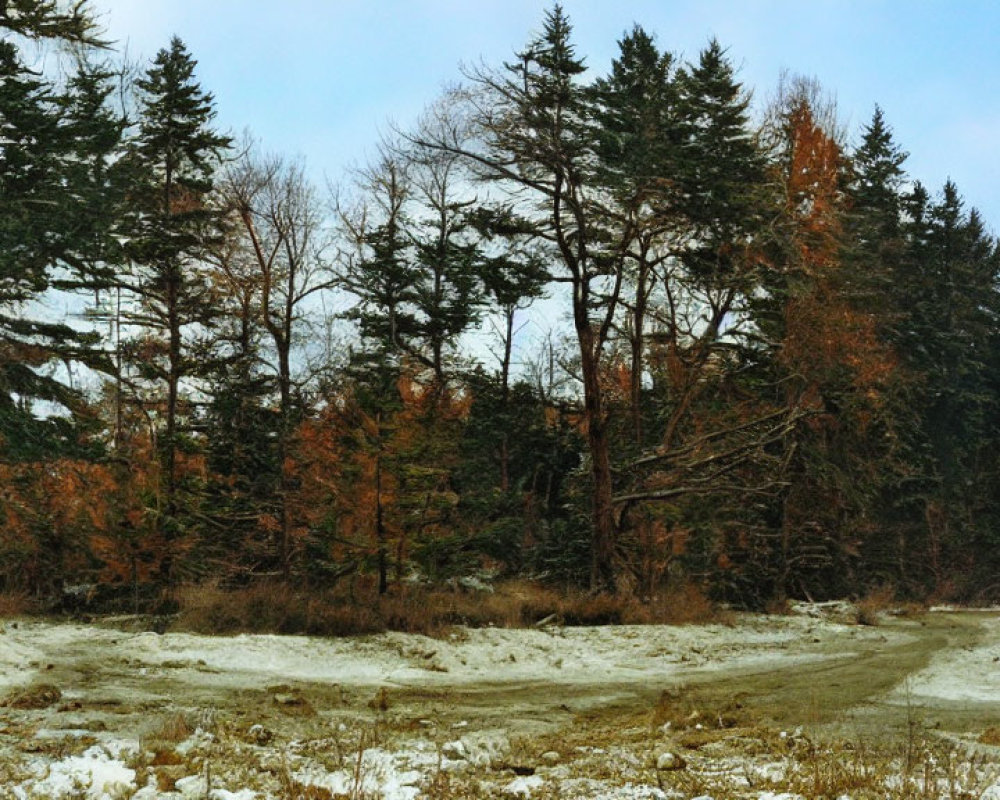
pixel 172 728
pixel 684 605
pixel 16 604
pixel 872 605
pixel 345 610
pixel 688 710
pixel 990 736
pixel 36 697
pixel 271 607
pixel 165 757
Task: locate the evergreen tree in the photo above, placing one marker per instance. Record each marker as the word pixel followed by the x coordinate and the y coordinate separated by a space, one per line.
pixel 59 142
pixel 172 161
pixel 722 168
pixel 240 424
pixel 514 274
pixel 638 134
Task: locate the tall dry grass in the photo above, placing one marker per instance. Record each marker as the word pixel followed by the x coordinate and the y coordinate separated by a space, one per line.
pixel 16 604
pixel 274 607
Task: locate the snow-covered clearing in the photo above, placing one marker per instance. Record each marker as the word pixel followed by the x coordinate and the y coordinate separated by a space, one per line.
pixel 614 712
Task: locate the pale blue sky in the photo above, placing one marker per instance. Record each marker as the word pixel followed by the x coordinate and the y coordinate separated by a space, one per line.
pixel 320 78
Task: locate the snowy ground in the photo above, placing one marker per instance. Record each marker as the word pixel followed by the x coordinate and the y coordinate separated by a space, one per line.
pixel 626 712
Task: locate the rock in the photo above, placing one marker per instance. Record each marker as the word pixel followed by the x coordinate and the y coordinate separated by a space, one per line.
pixel 551 757
pixel 258 734
pixel 149 792
pixel 455 750
pixel 193 787
pixel 294 704
pixel 485 748
pixel 666 762
pixel 288 700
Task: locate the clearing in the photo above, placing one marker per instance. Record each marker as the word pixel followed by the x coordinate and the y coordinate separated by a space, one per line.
pixel 804 705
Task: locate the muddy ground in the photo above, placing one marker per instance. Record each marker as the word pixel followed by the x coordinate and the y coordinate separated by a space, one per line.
pixel 756 708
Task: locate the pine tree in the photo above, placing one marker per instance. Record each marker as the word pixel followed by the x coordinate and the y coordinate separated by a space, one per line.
pixel 514 273
pixel 172 161
pixel 55 222
pixel 638 134
pixel 722 167
pixel 544 132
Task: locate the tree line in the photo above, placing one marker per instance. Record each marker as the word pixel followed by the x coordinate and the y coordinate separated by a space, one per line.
pixel 777 377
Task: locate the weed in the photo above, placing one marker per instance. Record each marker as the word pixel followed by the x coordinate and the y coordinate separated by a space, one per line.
pixel 36 697
pixel 990 736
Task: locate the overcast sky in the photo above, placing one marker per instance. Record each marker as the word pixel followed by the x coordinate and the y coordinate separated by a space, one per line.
pixel 321 78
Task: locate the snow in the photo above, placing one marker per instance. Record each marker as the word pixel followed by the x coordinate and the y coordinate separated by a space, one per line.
pixel 95 771
pixel 969 675
pixel 376 774
pixel 595 660
pixel 524 785
pixel 567 655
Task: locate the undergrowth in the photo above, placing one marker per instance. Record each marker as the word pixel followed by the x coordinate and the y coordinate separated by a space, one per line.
pixel 278 608
pixel 16 604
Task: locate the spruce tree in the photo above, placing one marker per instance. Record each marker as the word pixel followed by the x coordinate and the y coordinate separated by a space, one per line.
pixel 722 167
pixel 172 161
pixel 636 125
pixel 59 142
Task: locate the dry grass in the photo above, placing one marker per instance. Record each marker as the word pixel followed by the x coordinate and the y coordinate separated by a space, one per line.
pixel 17 604
pixel 35 697
pixel 170 729
pixel 876 602
pixel 990 736
pixel 278 608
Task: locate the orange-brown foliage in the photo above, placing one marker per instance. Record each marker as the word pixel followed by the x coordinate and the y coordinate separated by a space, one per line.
pixel 49 512
pixel 824 334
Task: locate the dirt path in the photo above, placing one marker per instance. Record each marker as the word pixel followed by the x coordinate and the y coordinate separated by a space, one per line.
pixel 789 672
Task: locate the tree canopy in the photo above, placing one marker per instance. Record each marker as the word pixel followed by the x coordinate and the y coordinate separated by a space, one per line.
pixel 770 367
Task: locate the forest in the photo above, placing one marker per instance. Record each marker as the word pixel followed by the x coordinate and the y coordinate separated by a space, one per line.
pixel 772 371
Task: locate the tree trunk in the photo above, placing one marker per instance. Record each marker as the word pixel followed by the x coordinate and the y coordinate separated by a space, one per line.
pixel 505 397
pixel 602 568
pixel 638 344
pixel 284 430
pixel 383 561
pixel 170 451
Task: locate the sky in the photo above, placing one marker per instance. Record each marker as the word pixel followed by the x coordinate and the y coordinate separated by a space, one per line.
pixel 321 79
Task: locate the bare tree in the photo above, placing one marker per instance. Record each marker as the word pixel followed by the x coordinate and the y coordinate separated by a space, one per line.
pixel 277 212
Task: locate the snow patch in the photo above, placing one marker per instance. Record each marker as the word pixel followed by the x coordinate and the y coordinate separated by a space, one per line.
pixel 523 786
pixel 958 675
pixel 376 775
pixel 96 772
